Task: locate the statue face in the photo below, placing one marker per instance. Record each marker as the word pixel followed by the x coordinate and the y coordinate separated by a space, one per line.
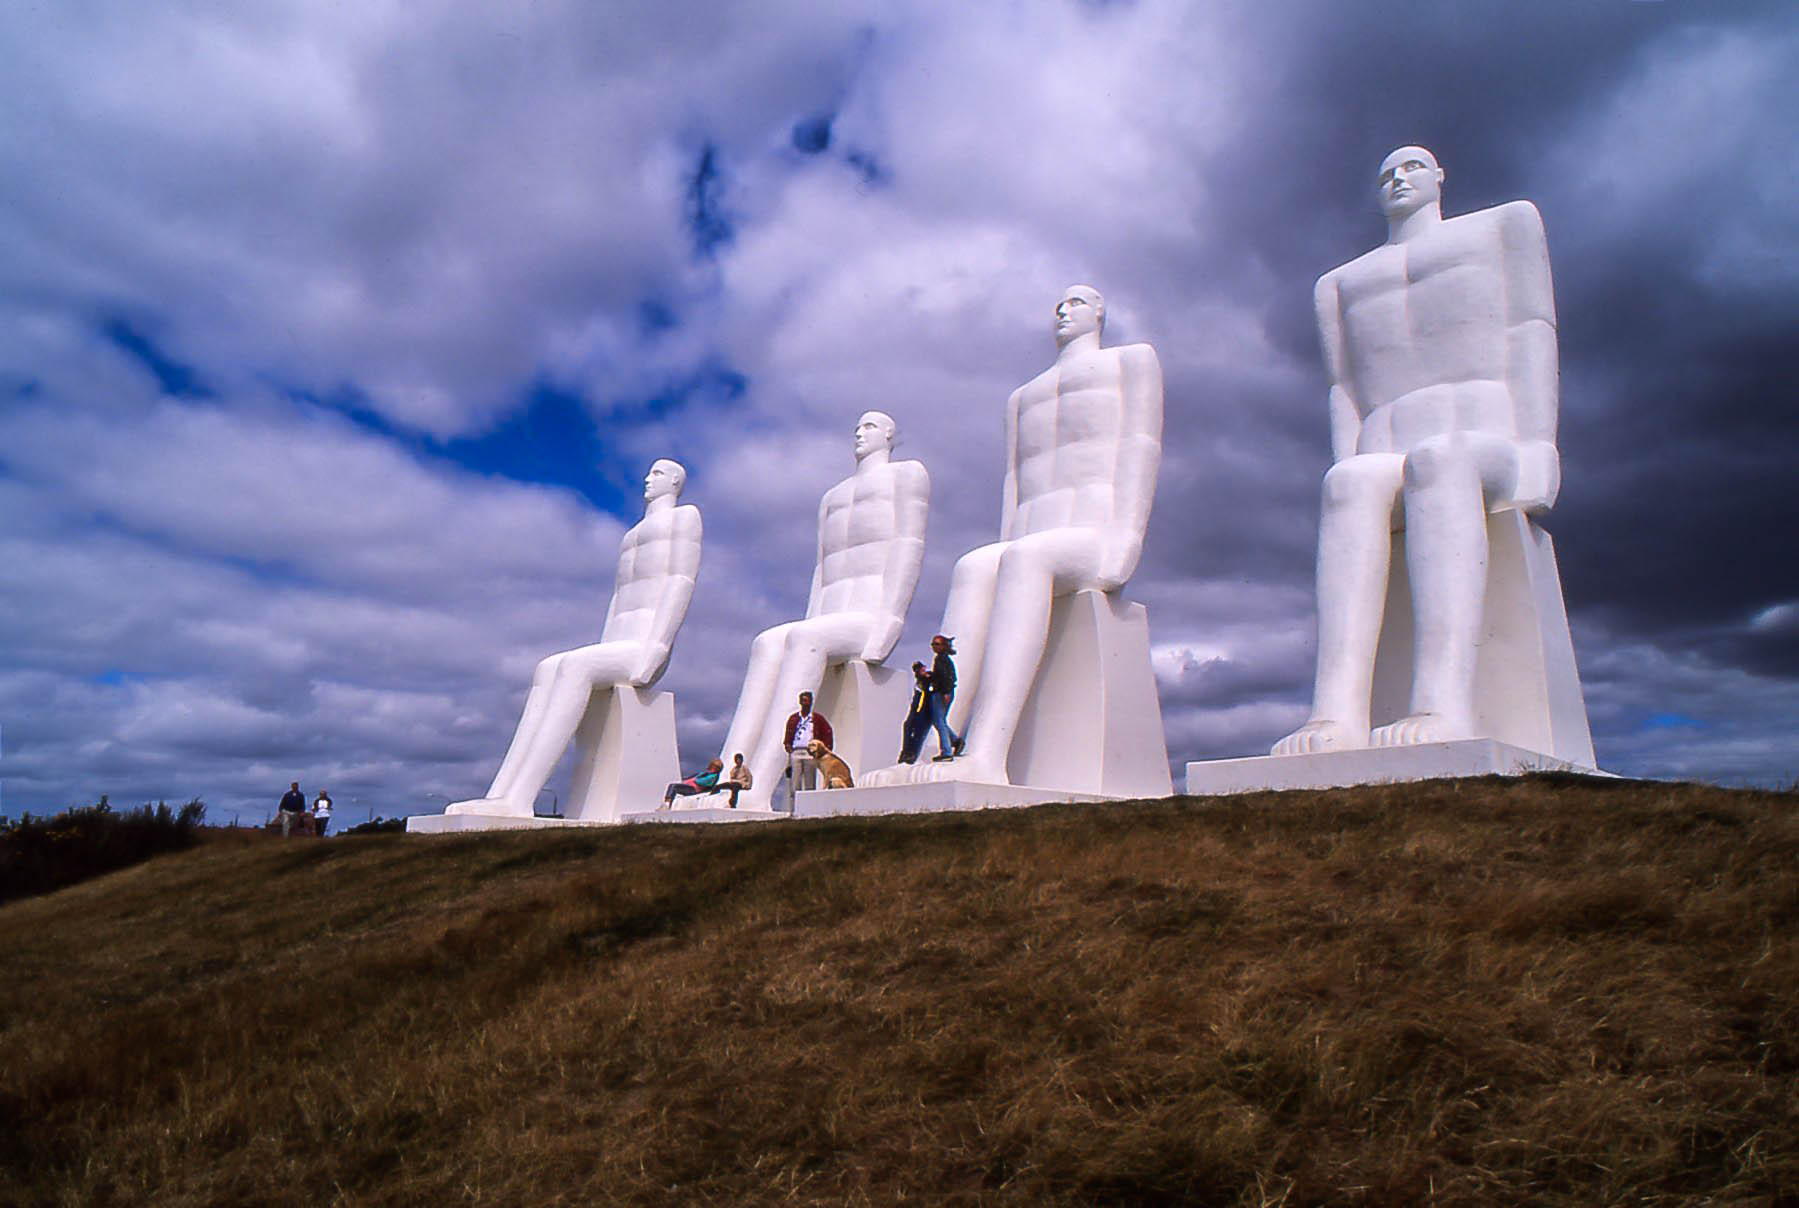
pixel 665 478
pixel 874 433
pixel 1409 180
pixel 1080 311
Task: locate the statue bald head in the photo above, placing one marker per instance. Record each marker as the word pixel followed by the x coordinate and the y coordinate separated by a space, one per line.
pixel 1081 310
pixel 665 478
pixel 875 433
pixel 1409 179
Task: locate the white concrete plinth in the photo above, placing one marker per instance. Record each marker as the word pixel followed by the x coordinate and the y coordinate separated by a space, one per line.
pixel 624 753
pixel 866 706
pixel 1093 721
pixel 444 824
pixel 927 798
pixel 707 814
pixel 1371 765
pixel 1526 685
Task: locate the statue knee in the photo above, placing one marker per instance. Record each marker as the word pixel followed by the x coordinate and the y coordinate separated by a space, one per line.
pixel 1434 461
pixel 769 645
pixel 1357 485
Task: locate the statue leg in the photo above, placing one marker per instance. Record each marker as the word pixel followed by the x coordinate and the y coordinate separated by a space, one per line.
pixel 1355 550
pixel 1448 481
pixel 967 615
pixel 1031 572
pixel 571 685
pixel 528 723
pixel 753 719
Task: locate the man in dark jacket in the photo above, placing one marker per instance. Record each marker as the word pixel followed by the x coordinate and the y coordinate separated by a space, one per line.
pixel 293 805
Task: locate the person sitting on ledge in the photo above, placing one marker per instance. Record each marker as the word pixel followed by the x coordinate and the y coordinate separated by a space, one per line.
pixel 700 782
pixel 736 780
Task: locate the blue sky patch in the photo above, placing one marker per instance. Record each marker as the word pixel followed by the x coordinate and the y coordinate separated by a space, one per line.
pixel 812 135
pixel 1673 721
pixel 707 221
pixel 175 378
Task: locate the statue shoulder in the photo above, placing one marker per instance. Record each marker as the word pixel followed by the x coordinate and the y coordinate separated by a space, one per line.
pixel 1137 355
pixel 686 519
pixel 1326 287
pixel 911 471
pixel 1513 218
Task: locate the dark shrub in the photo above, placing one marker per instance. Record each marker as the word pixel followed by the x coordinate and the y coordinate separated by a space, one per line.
pixel 38 855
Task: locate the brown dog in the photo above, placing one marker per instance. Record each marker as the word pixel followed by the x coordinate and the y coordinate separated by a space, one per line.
pixel 831 770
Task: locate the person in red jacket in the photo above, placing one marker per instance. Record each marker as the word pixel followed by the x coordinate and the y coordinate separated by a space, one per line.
pixel 802 728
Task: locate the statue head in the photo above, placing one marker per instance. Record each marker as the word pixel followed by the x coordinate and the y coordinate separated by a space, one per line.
pixel 875 432
pixel 665 478
pixel 1409 180
pixel 1081 310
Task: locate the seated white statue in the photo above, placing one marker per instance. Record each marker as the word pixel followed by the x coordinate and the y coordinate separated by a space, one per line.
pixel 658 561
pixel 1441 350
pixel 1083 447
pixel 870 547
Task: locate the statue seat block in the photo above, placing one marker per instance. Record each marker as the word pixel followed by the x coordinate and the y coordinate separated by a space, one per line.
pixel 866 705
pixel 624 753
pixel 1526 688
pixel 1093 721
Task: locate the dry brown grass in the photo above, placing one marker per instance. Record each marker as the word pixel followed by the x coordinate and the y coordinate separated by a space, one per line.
pixel 1476 992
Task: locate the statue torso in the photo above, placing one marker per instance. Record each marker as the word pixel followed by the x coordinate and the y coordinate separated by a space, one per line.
pixel 858 522
pixel 1070 418
pixel 646 558
pixel 1425 335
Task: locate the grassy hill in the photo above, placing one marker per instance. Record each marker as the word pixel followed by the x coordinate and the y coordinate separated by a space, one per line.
pixel 1543 991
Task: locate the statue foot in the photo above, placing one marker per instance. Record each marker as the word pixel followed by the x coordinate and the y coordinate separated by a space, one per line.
pixel 1421 728
pixel 1321 734
pixel 903 772
pixel 490 806
pixel 977 771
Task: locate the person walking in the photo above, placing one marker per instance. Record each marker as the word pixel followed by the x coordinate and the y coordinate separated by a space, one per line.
pixel 943 692
pixel 321 813
pixel 292 809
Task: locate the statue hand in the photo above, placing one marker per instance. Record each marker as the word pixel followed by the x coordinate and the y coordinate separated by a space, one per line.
pixel 1116 562
pixel 649 670
pixel 881 642
pixel 1539 476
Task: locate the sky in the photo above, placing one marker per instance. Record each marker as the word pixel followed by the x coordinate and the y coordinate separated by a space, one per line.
pixel 335 340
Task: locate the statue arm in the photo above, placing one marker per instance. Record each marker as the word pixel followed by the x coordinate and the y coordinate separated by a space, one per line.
pixel 815 594
pixel 1532 373
pixel 1139 461
pixel 673 595
pixel 904 557
pixel 1345 415
pixel 1008 503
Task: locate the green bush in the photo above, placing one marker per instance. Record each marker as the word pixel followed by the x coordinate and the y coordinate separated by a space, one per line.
pixel 38 855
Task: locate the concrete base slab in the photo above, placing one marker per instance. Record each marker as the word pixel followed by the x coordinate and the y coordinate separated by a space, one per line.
pixel 444 824
pixel 1372 765
pixel 927 798
pixel 702 815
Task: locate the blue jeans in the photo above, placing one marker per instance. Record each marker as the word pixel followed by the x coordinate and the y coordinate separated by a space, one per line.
pixel 946 737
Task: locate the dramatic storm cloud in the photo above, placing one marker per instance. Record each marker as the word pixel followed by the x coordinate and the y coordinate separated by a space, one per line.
pixel 334 343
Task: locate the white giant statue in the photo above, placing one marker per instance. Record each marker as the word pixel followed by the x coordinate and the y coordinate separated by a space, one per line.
pixel 871 530
pixel 658 562
pixel 1441 349
pixel 1083 447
